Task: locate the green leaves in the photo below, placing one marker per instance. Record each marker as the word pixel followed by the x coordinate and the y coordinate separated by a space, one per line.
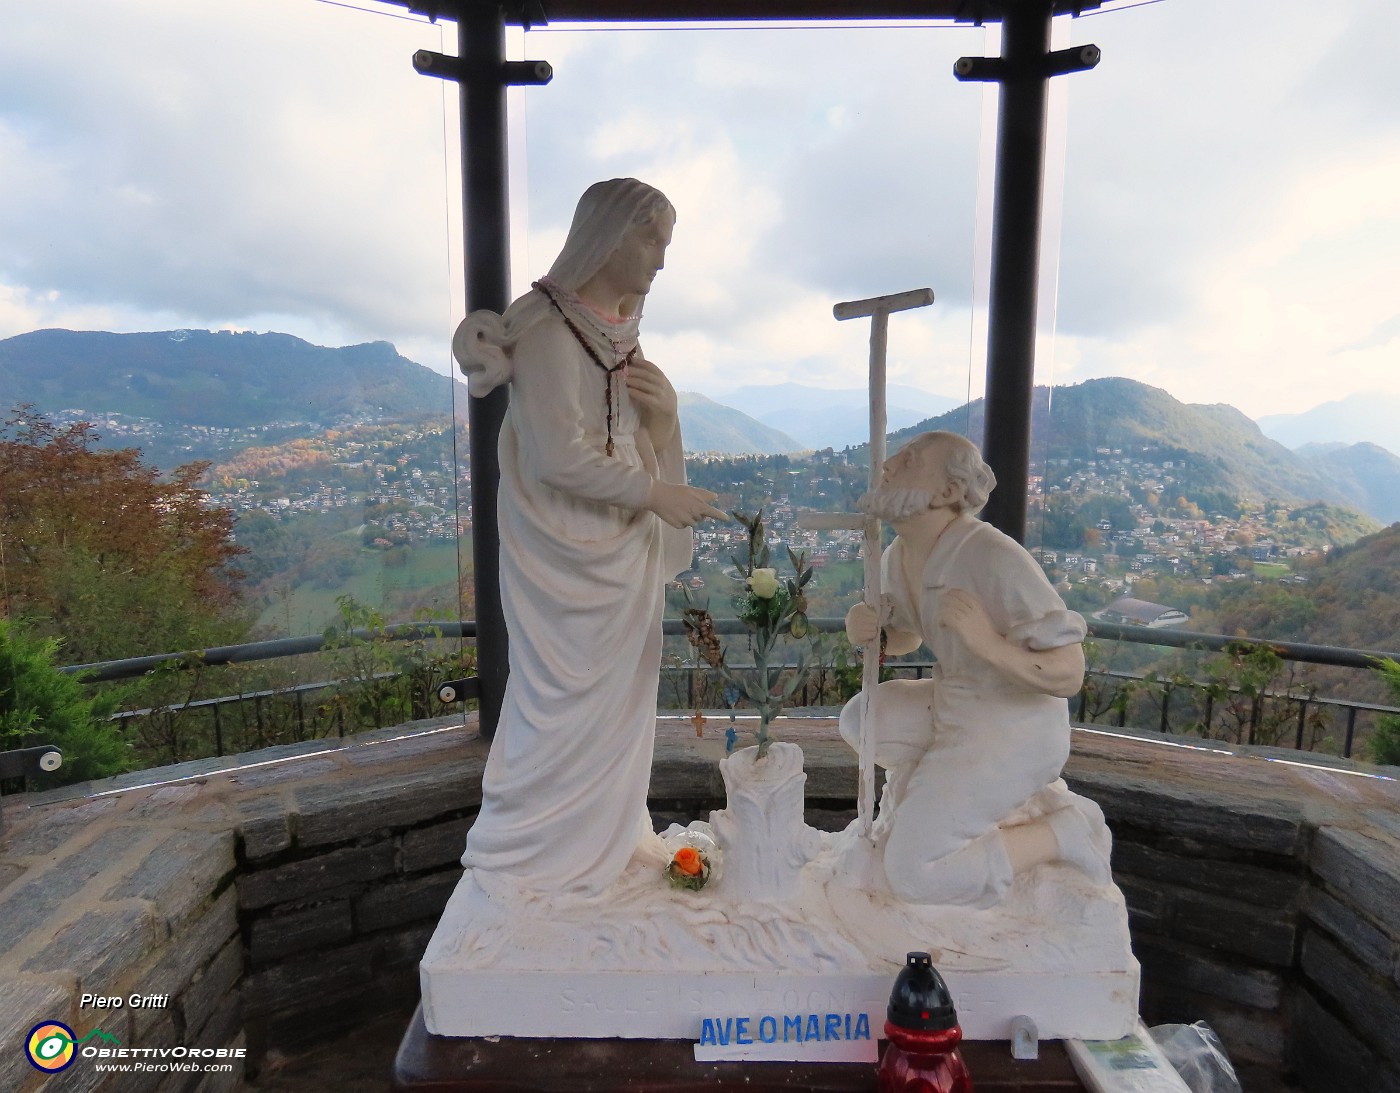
pixel 41 705
pixel 1384 745
pixel 767 620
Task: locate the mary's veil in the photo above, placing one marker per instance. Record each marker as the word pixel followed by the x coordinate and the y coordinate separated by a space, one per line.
pixel 485 341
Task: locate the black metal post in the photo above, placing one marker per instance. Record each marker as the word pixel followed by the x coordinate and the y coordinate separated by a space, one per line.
pixel 486 226
pixel 1020 173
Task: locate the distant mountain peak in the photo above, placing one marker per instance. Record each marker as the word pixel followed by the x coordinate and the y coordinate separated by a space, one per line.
pixel 825 417
pixel 1368 416
pixel 710 426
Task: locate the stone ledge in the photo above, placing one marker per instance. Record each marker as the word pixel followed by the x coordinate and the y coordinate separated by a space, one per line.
pixel 401 902
pixel 316 877
pixel 177 876
pixel 1202 835
pixel 1366 869
pixel 1199 813
pixel 1183 966
pixel 435 846
pixel 1221 877
pixel 1325 1052
pixel 298 931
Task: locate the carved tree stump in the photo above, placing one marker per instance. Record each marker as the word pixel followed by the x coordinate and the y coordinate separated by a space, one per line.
pixel 761 829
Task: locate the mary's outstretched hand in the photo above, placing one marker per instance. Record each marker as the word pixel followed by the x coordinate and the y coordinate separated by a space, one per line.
pixel 682 506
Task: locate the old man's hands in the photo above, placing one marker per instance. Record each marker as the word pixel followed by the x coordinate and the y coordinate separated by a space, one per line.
pixel 963 613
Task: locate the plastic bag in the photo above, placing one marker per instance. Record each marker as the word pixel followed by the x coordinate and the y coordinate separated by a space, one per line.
pixel 1195 1052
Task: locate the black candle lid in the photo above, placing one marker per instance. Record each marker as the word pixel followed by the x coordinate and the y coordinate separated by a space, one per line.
pixel 920 999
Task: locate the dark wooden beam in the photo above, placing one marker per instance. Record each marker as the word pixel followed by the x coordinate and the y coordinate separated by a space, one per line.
pixel 536 12
pixel 486 224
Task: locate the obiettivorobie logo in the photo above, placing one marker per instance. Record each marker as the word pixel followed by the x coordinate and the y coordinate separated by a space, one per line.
pixel 50 1045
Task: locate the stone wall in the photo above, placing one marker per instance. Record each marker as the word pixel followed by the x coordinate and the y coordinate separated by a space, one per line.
pixel 109 900
pixel 1264 899
pixel 276 898
pixel 285 896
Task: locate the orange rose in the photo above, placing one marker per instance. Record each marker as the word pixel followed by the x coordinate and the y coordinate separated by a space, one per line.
pixel 687 860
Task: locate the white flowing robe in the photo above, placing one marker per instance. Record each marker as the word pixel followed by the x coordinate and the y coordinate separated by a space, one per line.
pixel 583 575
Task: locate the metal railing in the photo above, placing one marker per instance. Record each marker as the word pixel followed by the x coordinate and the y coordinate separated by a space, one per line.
pixel 135 667
pixel 1305 704
pixel 1149 690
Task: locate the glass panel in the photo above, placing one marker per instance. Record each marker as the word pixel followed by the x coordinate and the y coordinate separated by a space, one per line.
pixel 1226 219
pixel 230 238
pixel 807 166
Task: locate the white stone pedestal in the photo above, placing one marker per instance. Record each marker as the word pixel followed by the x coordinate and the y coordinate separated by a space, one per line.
pixel 761 830
pixel 646 960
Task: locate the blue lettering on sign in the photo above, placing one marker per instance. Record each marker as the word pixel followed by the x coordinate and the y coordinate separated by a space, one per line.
pixel 796 1028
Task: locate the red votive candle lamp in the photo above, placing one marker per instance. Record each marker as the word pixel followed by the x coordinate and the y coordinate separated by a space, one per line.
pixel 922 1055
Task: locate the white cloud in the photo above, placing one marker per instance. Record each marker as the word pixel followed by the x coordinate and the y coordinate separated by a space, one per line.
pixel 1230 228
pixel 225 161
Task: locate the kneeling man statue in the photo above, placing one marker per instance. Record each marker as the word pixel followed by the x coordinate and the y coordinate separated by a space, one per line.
pixel 973 756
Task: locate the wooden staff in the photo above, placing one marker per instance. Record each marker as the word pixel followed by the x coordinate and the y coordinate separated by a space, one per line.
pixel 879 308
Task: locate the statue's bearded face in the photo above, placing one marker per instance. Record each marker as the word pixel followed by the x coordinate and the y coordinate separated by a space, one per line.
pixel 893 503
pixel 916 466
pixel 913 480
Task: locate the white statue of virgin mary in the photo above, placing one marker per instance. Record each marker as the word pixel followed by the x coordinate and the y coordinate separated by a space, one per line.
pixel 595 518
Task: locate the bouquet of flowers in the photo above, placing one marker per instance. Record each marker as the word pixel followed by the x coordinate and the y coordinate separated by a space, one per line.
pixel 769 607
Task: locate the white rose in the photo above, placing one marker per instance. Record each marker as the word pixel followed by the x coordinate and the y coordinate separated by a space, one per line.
pixel 763 583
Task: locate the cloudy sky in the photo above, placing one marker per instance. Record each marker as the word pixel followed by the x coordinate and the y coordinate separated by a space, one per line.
pixel 1227 227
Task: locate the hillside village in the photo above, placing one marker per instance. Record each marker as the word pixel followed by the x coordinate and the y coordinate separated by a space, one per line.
pixel 1148 529
pixel 1098 525
pixel 398 477
pixel 1156 529
pixel 405 487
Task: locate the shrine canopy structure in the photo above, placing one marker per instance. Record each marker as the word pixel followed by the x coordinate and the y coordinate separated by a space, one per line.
pixel 1023 71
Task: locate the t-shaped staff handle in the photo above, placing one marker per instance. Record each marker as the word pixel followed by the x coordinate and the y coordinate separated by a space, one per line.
pixel 899 301
pixel 879 308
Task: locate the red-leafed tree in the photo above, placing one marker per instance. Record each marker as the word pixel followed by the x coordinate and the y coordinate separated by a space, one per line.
pixel 98 550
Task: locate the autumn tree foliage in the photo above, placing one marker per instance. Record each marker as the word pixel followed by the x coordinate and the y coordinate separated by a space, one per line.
pixel 97 550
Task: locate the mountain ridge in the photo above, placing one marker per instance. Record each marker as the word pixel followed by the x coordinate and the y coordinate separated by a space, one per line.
pixel 1222 448
pixel 216 379
pixel 1364 470
pixel 225 380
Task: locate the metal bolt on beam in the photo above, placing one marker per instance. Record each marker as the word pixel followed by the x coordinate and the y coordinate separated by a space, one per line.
pixel 513 73
pixel 999 70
